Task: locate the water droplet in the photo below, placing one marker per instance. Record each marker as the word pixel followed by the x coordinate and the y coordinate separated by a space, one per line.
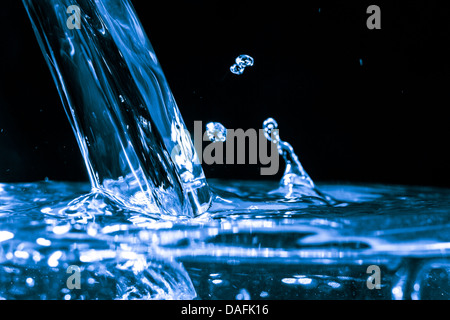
pixel 244 60
pixel 237 69
pixel 216 132
pixel 269 125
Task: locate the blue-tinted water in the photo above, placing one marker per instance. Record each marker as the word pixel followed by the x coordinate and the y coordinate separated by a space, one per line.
pixel 316 251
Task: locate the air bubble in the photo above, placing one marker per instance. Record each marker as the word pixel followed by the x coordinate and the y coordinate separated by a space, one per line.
pixel 269 125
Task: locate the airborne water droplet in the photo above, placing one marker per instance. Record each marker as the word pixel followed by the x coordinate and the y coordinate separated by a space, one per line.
pixel 244 60
pixel 216 132
pixel 237 69
pixel 294 174
pixel 269 125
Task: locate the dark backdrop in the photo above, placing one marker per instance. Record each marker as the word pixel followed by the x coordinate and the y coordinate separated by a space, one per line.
pixel 357 105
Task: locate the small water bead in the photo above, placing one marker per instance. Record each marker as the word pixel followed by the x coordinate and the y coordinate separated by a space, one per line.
pixel 244 60
pixel 237 69
pixel 216 132
pixel 6 235
pixel 269 125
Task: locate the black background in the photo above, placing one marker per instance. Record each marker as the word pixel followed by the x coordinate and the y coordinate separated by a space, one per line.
pixel 383 121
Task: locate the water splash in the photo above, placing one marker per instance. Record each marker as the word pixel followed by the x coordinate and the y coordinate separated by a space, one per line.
pixel 295 182
pixel 237 69
pixel 294 174
pixel 131 231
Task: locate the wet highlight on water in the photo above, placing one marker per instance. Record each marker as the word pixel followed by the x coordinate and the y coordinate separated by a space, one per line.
pixel 149 225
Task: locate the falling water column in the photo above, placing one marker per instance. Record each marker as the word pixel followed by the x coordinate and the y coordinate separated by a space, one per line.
pixel 125 119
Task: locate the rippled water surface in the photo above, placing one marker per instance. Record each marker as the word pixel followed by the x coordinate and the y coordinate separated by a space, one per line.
pixel 251 244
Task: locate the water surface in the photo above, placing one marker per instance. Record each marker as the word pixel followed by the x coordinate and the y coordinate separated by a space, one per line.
pixel 273 248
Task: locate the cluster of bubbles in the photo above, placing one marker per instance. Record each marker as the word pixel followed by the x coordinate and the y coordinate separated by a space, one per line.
pixel 242 62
